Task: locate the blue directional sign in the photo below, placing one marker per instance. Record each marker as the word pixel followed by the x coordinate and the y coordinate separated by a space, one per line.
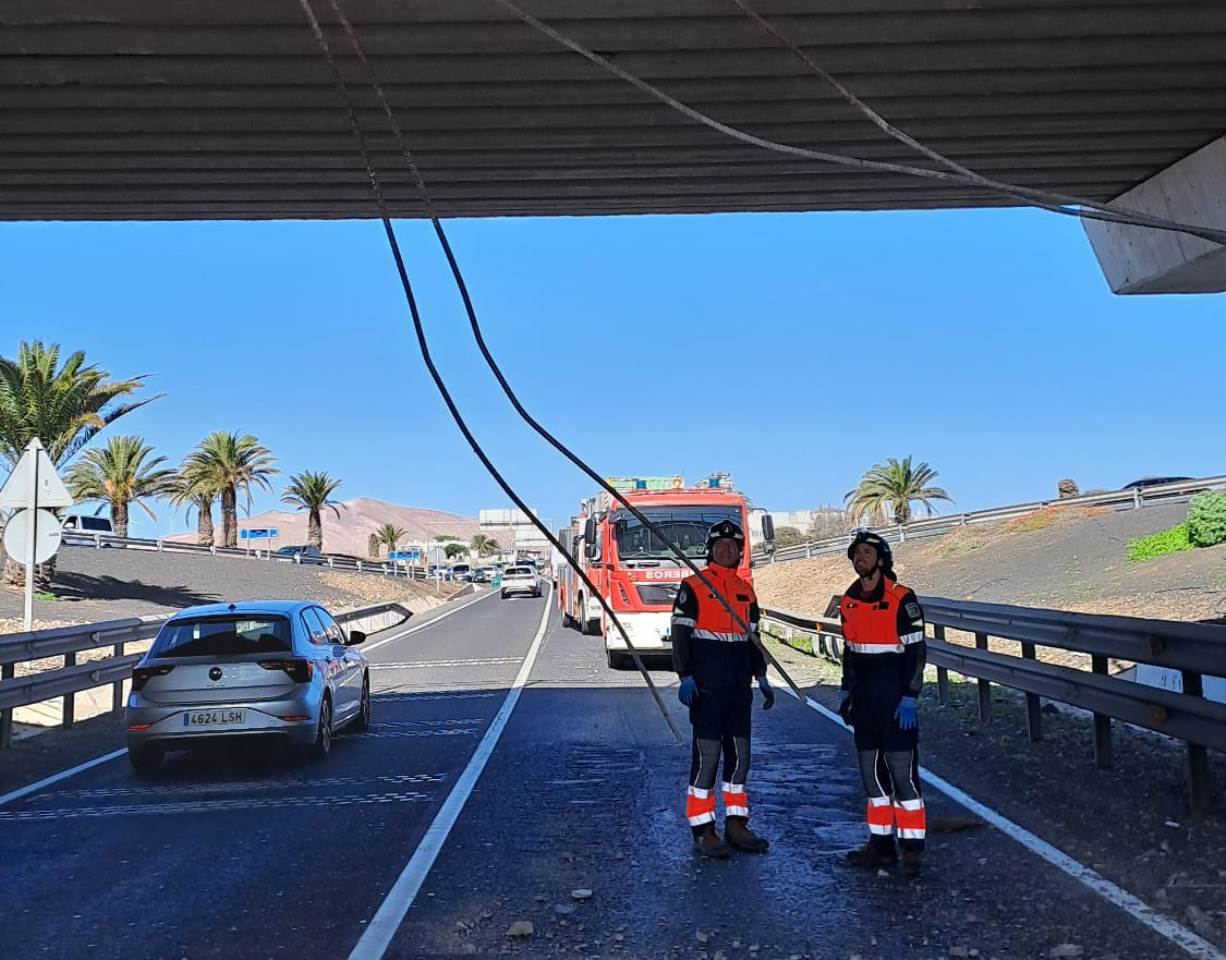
pixel 412 556
pixel 258 533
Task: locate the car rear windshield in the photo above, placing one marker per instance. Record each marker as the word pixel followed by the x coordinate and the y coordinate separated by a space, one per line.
pixel 223 637
pixel 518 572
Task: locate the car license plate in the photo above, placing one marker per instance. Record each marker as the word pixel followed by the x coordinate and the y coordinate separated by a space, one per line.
pixel 214 718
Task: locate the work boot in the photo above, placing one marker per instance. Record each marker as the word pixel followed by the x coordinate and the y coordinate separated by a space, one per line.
pixel 912 861
pixel 878 853
pixel 738 835
pixel 708 844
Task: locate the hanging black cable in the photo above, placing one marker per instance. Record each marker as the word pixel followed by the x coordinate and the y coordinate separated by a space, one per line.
pixel 479 337
pixel 439 383
pixel 1055 203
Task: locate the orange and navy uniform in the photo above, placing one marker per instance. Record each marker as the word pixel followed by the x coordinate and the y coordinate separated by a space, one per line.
pixel 720 654
pixel 883 661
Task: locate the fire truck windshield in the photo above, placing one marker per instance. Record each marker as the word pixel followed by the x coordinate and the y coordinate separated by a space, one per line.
pixel 685 526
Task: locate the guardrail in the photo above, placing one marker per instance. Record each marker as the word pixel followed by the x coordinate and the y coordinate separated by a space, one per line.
pixel 938 526
pixel 1192 650
pixel 99 541
pixel 73 677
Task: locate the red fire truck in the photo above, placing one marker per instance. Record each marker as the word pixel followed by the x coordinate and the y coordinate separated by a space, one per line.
pixel 631 566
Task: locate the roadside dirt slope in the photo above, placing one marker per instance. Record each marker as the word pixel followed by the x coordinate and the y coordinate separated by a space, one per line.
pixel 1074 560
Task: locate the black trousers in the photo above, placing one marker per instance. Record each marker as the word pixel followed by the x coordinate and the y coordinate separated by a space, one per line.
pixel 721 721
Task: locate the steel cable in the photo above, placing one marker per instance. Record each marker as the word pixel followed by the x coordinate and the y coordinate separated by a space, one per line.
pixel 424 348
pixel 959 174
pixel 496 370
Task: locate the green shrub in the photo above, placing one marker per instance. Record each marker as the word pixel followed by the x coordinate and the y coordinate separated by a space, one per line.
pixel 1207 519
pixel 1159 544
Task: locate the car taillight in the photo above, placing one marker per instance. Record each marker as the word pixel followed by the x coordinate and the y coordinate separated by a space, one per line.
pixel 300 671
pixel 141 675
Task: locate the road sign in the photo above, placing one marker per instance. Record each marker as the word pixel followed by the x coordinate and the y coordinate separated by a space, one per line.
pixel 413 556
pixel 18 491
pixel 258 533
pixel 46 537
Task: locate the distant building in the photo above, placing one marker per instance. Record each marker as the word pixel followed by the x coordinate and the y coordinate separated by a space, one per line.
pixel 807 520
pixel 514 531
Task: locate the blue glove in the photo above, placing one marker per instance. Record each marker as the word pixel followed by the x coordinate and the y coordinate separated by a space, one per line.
pixel 907 713
pixel 688 692
pixel 768 695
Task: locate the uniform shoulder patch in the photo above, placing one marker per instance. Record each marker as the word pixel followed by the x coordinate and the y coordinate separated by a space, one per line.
pixel 683 594
pixel 913 611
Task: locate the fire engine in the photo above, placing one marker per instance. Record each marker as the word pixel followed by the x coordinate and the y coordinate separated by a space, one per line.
pixel 631 566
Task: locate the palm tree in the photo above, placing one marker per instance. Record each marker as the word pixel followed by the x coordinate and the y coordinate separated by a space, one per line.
pixel 232 463
pixel 193 490
pixel 389 535
pixel 120 474
pixel 312 492
pixel 891 488
pixel 64 405
pixel 483 545
pixel 372 546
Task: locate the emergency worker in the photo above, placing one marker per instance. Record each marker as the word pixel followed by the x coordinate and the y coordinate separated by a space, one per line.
pixel 883 670
pixel 718 661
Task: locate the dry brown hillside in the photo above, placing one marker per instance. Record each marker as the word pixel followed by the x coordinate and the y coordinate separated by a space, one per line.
pixel 1071 559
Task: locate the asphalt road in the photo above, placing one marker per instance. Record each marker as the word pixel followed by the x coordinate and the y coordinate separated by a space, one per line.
pixel 250 856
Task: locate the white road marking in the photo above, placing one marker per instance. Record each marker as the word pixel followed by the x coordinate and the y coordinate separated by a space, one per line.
pixel 423 697
pixel 234 786
pixel 210 806
pixel 90 764
pixel 417 724
pixel 57 777
pixel 426 664
pixel 429 623
pixel 1194 945
pixel 455 732
pixel 382 928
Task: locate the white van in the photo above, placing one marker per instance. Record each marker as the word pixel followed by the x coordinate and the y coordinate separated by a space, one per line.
pixel 87 525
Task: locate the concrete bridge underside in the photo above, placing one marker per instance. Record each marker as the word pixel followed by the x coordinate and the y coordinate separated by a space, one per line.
pixel 193 109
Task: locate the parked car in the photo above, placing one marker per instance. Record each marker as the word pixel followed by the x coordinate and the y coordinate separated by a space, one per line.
pixel 307 554
pixel 482 575
pixel 461 571
pixel 1154 482
pixel 522 579
pixel 75 523
pixel 271 669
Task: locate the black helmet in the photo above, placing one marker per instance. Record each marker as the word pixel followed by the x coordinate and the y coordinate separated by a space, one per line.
pixel 878 543
pixel 726 530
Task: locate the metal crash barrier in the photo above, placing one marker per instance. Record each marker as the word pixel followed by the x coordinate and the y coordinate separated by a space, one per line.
pixel 1187 652
pixel 113 635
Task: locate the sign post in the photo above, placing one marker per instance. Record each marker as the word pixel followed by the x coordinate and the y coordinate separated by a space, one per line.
pixel 258 533
pixel 33 486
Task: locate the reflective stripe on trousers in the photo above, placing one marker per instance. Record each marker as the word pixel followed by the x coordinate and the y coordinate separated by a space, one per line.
pixel 910 819
pixel 736 800
pixel 880 816
pixel 699 806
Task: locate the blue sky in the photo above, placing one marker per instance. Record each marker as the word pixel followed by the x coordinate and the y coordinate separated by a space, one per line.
pixel 793 351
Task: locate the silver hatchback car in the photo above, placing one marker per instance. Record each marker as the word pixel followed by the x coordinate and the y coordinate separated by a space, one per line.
pixel 256 669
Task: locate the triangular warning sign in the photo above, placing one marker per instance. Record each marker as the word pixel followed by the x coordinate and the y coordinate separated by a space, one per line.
pixel 18 488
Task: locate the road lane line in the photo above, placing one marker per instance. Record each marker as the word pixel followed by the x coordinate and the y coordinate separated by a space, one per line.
pixel 382 928
pixel 57 777
pixel 1192 944
pixel 429 623
pixel 90 764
